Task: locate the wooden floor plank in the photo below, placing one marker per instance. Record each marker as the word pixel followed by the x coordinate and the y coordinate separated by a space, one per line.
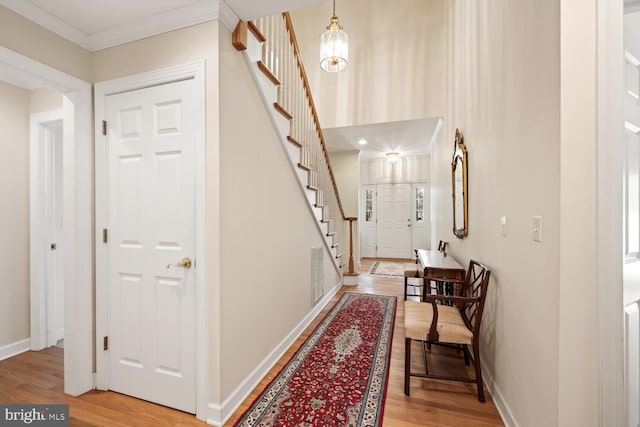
pixel 37 377
pixel 432 403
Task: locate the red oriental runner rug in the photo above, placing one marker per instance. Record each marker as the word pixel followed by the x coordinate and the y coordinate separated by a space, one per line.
pixel 339 375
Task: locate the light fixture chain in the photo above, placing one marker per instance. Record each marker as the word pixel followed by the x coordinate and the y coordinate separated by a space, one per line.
pixel 334 7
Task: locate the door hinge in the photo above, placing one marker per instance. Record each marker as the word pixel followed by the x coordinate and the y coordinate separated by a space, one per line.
pixel 104 127
pixel 105 342
pixel 105 235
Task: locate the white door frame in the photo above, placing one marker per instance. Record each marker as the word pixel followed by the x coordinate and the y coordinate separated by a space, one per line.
pixel 38 221
pixel 195 71
pixel 610 166
pixel 77 207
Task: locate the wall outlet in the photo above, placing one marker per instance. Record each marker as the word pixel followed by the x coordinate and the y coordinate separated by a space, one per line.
pixel 537 229
pixel 504 225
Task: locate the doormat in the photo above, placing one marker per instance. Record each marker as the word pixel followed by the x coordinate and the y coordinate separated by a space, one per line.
pixel 384 268
pixel 339 375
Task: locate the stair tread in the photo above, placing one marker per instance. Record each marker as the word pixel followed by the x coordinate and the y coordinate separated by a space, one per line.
pixel 280 109
pixel 294 142
pixel 267 72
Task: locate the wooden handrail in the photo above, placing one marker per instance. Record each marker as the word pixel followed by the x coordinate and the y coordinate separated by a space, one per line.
pixel 307 87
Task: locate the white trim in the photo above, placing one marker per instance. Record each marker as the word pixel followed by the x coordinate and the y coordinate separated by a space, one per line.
pixel 498 398
pixel 219 414
pixel 37 214
pixel 193 14
pixel 77 202
pixel 45 75
pixel 196 71
pixel 48 21
pixel 14 349
pixel 610 166
pixel 78 254
pixel 228 16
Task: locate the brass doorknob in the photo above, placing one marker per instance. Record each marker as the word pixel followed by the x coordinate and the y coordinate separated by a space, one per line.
pixel 184 263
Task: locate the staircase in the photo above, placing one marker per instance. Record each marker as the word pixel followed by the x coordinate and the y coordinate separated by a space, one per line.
pixel 271 49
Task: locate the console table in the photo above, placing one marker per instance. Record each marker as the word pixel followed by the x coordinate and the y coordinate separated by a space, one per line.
pixel 439 268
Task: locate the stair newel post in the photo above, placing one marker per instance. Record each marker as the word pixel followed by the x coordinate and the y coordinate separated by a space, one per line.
pixel 351 263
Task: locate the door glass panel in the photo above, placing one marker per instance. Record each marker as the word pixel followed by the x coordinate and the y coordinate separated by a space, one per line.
pixel 368 205
pixel 419 204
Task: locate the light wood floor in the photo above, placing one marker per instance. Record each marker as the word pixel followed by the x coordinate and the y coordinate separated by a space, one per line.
pixel 36 377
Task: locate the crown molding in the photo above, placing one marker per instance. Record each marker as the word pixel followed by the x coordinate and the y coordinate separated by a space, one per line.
pixel 227 16
pixel 48 21
pixel 197 13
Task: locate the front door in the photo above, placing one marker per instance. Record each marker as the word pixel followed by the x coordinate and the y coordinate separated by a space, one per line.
pixel 151 227
pixel 394 221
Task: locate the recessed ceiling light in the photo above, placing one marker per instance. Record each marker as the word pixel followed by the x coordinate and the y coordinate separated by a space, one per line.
pixel 362 141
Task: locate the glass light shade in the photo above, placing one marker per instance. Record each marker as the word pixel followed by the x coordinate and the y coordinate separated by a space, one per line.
pixel 392 157
pixel 334 48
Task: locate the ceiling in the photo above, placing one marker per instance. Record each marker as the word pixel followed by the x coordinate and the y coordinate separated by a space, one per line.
pixel 96 25
pixel 407 137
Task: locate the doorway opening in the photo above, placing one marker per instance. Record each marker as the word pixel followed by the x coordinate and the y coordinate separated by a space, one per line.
pixel 76 204
pixel 46 229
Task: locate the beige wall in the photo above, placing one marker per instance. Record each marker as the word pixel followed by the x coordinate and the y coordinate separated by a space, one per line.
pixel 14 217
pixel 578 335
pixel 397 61
pixel 346 169
pixel 505 98
pixel 502 89
pixel 41 100
pixel 29 39
pixel 268 230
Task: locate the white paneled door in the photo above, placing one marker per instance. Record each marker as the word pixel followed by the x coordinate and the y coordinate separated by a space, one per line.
pixel 151 230
pixel 394 221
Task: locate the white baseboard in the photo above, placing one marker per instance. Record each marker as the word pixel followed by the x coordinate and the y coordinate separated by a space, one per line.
pixel 498 399
pixel 14 349
pixel 219 414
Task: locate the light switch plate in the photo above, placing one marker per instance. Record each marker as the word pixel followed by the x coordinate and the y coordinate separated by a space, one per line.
pixel 537 229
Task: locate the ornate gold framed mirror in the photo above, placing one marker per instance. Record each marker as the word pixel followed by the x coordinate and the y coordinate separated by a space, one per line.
pixel 459 187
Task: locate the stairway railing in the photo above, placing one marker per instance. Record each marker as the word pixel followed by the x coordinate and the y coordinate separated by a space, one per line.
pixel 281 62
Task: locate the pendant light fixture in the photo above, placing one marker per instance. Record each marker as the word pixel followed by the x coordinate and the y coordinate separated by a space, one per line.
pixel 334 46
